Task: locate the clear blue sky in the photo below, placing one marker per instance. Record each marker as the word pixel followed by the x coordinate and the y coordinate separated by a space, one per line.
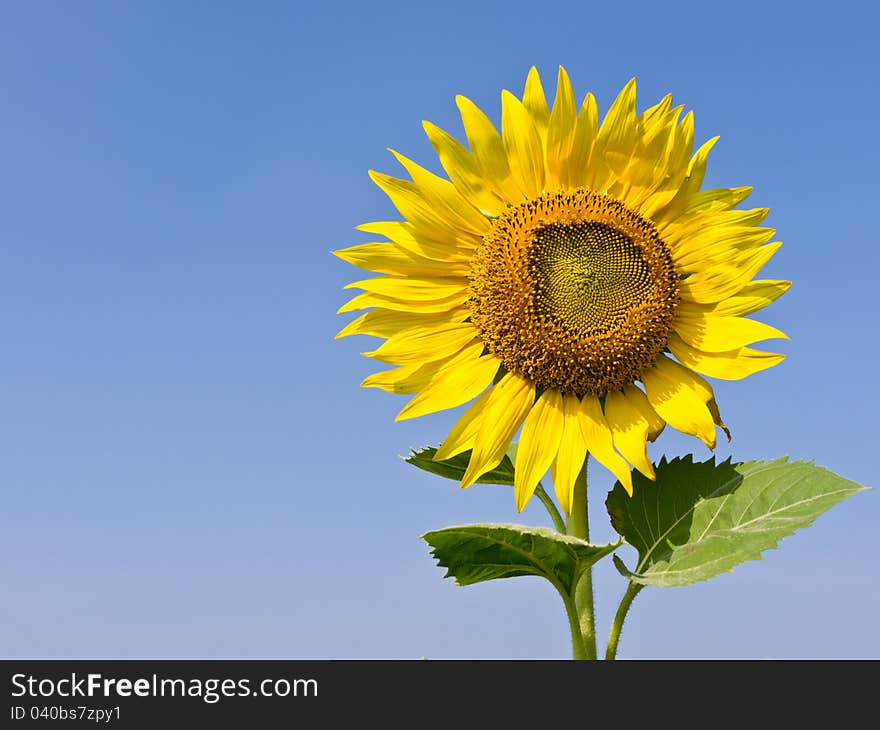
pixel 188 466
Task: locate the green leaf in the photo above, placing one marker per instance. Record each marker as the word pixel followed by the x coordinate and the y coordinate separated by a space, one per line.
pixel 455 467
pixel 701 519
pixel 476 553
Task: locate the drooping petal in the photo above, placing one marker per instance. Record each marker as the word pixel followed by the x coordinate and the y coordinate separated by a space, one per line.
pixel 538 444
pixel 464 432
pixel 571 454
pixel 679 402
pixel 700 386
pixel 597 436
pixel 638 400
pixel 509 402
pixel 629 431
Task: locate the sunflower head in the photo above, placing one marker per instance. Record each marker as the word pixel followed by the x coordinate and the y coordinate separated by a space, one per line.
pixel 571 278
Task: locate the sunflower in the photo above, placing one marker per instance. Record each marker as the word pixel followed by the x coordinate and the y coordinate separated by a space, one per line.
pixel 571 278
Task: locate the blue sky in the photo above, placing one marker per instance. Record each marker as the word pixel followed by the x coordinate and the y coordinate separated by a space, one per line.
pixel 189 468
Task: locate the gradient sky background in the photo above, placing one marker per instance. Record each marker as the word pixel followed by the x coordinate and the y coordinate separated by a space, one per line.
pixel 189 468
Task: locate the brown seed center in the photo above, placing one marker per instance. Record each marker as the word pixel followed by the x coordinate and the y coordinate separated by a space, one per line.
pixel 574 291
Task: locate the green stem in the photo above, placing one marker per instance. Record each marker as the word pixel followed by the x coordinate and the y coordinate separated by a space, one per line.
pixel 579 526
pixel 558 522
pixel 632 590
pixel 578 649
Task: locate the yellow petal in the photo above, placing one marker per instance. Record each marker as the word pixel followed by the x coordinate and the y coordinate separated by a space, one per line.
pixel 487 147
pixel 675 371
pixel 672 166
pixel 571 454
pixel 690 185
pixel 629 431
pixel 406 379
pixel 417 244
pixel 423 213
pixel 717 244
pixel 648 166
pixel 582 169
pixel 707 221
pixel 561 130
pixel 385 322
pixel 444 198
pixel 463 379
pixel 653 206
pixel 638 400
pixel 464 432
pixel 733 365
pixel 525 153
pixel 655 121
pixel 428 306
pixel 714 333
pixel 411 289
pixel 387 257
pixel 509 402
pixel 424 344
pixel 753 296
pixel 697 169
pixel 715 199
pixel 535 101
pixel 597 436
pixel 678 402
pixel 723 280
pixel 463 170
pixel 373 256
pixel 538 444
pixel 681 145
pixel 619 132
